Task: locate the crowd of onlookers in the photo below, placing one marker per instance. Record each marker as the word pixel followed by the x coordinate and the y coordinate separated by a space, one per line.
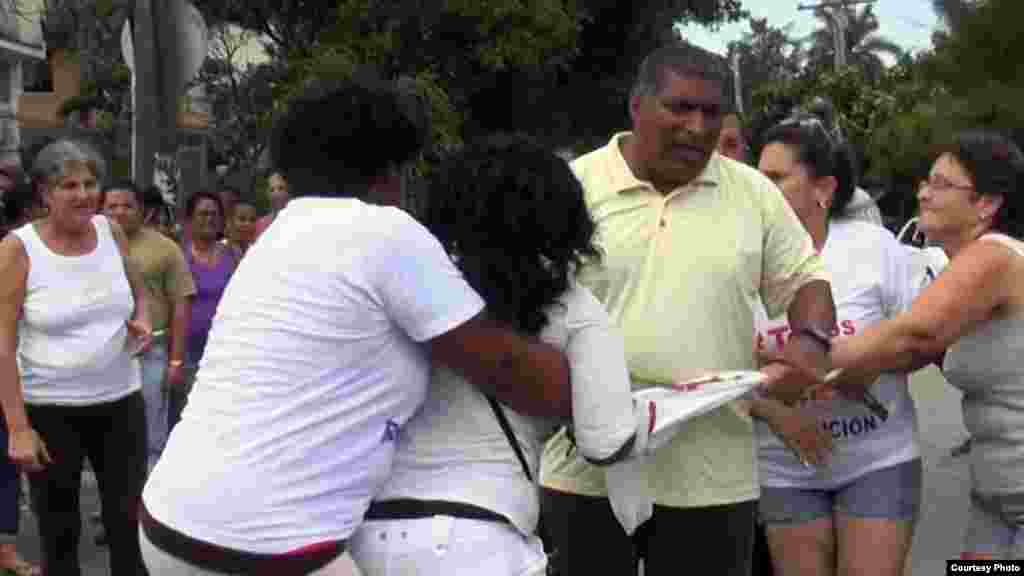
pixel 367 391
pixel 182 264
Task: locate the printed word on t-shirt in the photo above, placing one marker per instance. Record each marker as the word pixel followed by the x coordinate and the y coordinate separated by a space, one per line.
pixel 778 335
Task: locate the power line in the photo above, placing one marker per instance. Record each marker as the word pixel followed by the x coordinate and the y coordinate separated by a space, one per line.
pixel 833 4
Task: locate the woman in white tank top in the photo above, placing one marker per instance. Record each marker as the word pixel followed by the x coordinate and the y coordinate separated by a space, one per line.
pixel 72 315
pixel 974 314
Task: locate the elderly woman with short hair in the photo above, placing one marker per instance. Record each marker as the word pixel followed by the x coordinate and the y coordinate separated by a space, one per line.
pixel 72 314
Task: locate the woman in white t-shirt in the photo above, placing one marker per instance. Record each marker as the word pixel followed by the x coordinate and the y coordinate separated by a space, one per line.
pixel 319 353
pixel 461 500
pixel 840 483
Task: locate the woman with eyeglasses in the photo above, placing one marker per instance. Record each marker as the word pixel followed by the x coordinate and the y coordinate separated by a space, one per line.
pixel 840 483
pixel 974 314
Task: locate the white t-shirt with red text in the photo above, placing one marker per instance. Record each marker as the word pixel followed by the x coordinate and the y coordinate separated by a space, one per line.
pixel 874 277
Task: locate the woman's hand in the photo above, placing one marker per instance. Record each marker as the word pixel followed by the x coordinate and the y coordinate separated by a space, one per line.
pixel 141 334
pixel 784 380
pixel 174 376
pixel 28 451
pixel 803 434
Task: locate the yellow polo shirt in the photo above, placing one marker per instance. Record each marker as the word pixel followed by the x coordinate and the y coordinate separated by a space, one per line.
pixel 680 277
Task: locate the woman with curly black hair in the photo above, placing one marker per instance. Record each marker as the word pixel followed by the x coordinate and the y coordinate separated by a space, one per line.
pixel 461 495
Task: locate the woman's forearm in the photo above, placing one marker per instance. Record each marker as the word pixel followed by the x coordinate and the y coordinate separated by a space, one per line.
pixel 133 275
pixel 11 398
pixel 179 329
pixel 138 288
pixel 855 379
pixel 765 409
pixel 889 346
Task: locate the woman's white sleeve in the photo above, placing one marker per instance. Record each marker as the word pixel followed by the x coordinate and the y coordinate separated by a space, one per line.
pixel 603 413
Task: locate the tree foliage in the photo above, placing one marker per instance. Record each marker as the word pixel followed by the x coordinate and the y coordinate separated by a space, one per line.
pixel 864 45
pixel 240 95
pixel 558 70
pixel 971 79
pixel 767 54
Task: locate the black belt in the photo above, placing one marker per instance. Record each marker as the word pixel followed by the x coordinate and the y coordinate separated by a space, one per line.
pixel 227 561
pixel 411 508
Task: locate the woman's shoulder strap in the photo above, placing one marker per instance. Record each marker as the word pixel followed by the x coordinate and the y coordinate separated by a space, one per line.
pixel 1012 243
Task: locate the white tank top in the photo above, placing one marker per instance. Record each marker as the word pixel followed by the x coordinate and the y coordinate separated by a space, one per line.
pixel 873 277
pixel 72 338
pixel 985 365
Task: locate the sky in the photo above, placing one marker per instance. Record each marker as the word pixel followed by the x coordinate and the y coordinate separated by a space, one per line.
pixel 908 23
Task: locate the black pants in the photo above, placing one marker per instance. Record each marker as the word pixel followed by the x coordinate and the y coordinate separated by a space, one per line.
pixel 587 539
pixel 113 436
pixel 762 554
pixel 10 490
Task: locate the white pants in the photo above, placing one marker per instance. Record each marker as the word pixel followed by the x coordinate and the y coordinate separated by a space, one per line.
pixel 445 546
pixel 160 563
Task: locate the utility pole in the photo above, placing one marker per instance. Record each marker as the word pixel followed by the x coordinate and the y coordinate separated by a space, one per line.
pixel 737 83
pixel 148 121
pixel 837 22
pixel 169 43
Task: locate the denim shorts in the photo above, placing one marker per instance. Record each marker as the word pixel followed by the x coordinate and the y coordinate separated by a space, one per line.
pixel 892 493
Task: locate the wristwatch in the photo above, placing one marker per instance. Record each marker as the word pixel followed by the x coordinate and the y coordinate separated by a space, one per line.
pixel 817 335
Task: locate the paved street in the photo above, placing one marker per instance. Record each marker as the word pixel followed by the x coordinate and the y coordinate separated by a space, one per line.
pixel 94 558
pixel 939 533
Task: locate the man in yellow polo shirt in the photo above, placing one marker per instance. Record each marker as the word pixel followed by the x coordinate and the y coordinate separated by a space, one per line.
pixel 691 240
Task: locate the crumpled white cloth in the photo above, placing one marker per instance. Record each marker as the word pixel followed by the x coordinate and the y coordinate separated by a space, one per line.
pixel 666 411
pixel 629 489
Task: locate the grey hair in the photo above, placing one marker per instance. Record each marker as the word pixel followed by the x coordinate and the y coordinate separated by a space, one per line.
pixel 53 160
pixel 684 59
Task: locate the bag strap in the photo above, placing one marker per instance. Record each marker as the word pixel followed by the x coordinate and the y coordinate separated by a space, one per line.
pixel 510 434
pixel 542 529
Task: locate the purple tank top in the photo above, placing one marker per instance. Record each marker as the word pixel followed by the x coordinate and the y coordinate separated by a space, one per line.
pixel 210 284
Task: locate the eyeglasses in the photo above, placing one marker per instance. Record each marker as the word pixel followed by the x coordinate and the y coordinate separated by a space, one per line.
pixel 814 124
pixel 938 182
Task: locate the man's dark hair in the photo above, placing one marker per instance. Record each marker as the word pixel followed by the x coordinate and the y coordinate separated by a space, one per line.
pixel 128 185
pixel 336 138
pixel 683 59
pixel 996 167
pixel 512 215
pixel 230 189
